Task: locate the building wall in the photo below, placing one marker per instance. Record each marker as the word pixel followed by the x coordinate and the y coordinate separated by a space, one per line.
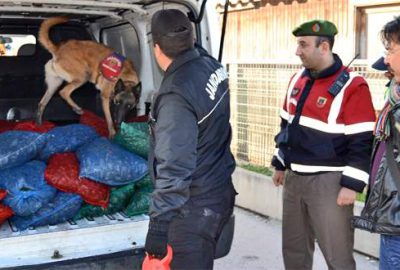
pixel 265 32
pixel 260 30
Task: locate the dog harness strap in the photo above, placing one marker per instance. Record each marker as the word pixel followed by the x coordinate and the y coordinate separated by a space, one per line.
pixel 111 66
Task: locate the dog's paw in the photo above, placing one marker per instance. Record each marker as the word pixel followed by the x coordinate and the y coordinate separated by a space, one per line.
pixel 78 110
pixel 111 133
pixel 38 120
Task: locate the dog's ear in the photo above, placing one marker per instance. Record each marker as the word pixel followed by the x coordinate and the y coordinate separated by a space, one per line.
pixel 119 87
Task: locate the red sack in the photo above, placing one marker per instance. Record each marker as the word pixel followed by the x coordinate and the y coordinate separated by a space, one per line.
pixel 140 119
pixel 3 193
pixel 62 172
pixel 6 125
pixel 31 126
pixel 5 213
pixel 94 193
pixel 99 124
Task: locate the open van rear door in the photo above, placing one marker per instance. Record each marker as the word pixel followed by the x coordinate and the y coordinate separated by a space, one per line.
pixel 224 20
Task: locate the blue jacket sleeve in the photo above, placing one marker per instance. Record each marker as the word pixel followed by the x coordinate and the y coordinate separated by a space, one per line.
pixel 278 158
pixel 175 151
pixel 359 119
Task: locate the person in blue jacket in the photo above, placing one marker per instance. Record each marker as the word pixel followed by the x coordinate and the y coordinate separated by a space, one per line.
pixel 190 159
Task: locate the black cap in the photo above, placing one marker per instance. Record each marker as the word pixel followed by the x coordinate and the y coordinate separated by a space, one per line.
pixel 170 22
pixel 380 64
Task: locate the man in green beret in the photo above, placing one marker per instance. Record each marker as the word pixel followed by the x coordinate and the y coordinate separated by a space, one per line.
pixel 323 151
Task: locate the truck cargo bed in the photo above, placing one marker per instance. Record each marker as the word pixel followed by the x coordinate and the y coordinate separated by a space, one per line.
pixel 71 240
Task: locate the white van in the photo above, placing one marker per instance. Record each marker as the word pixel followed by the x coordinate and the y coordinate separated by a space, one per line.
pixel 125 26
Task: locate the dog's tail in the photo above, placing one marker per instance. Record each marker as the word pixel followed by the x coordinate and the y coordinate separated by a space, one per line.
pixel 44 38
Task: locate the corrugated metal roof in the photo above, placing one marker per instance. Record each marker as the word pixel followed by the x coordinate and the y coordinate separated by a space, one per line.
pixel 238 4
pixel 235 2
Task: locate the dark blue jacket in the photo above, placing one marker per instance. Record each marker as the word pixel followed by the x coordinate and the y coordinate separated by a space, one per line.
pixel 190 155
pixel 323 132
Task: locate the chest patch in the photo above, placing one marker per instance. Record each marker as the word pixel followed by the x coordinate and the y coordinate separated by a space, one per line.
pixel 295 91
pixel 321 101
pixel 111 66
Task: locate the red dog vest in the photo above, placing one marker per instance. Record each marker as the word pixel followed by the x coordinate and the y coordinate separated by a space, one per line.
pixel 111 66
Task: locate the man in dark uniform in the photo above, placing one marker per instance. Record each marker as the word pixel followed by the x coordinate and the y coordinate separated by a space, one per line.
pixel 190 159
pixel 324 146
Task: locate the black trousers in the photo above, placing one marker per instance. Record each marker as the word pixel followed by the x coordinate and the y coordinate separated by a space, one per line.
pixel 194 233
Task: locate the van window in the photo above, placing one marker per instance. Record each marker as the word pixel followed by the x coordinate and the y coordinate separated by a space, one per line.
pixel 17 45
pixel 123 39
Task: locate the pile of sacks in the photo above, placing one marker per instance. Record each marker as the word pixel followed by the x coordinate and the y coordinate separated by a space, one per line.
pixel 50 174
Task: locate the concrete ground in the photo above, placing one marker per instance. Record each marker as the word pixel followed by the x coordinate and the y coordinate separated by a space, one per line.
pixel 257 245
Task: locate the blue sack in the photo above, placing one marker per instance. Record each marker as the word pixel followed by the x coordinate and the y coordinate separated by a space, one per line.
pixel 63 207
pixel 67 139
pixel 109 163
pixel 27 190
pixel 19 147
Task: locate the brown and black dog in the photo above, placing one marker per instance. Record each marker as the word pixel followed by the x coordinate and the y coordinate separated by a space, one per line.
pixel 80 61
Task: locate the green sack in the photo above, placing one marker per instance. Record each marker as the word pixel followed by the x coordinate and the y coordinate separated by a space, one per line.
pixel 139 204
pixel 134 137
pixel 143 126
pixel 140 201
pixel 119 199
pixel 144 184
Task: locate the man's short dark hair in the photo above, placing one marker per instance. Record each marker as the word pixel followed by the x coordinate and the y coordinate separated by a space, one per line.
pixel 391 32
pixel 329 39
pixel 172 31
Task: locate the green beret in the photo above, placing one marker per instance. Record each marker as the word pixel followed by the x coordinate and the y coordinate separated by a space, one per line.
pixel 315 28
